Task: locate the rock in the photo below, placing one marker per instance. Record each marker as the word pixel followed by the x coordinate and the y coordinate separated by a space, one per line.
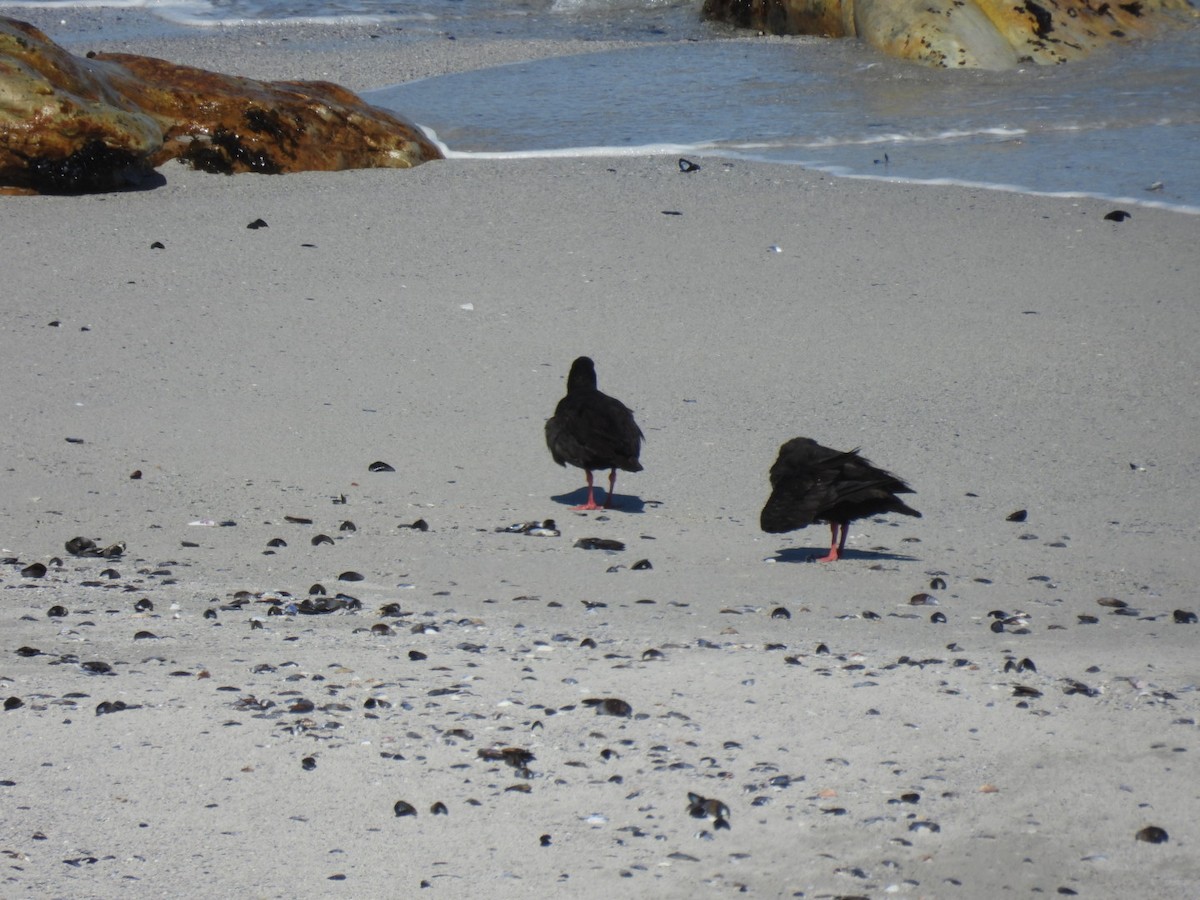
pixel 987 34
pixel 73 125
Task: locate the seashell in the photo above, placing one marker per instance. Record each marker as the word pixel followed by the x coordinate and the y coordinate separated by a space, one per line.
pixel 111 574
pixel 316 590
pixel 158 245
pixel 1078 687
pixel 416 655
pixel 81 546
pixel 96 668
pixel 33 570
pixel 1117 215
pixel 938 618
pixel 595 543
pixel 257 224
pixel 112 706
pixel 780 612
pixel 320 539
pixel 1112 603
pixel 614 707
pixel 210 614
pixel 135 475
pixel 13 703
pixel 1152 834
pixel 1022 690
pixel 403 808
pixel 922 599
pixel 1087 620
pixel 57 612
pixel 351 576
pixel 588 643
pixel 822 650
pixel 686 165
pixel 276 542
pixel 347 526
pixel 1184 617
pixel 1019 516
pixel 937 584
pixel 439 809
pixel 308 764
pixel 379 466
pixel 74 440
pixel 298 520
pixel 641 565
pixel 145 636
pixel 652 653
pixel 381 629
pixel 29 651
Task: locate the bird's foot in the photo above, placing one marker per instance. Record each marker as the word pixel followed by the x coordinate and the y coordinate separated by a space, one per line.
pixel 592 504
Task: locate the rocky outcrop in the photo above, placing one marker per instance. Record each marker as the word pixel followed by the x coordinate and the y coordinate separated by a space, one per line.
pixel 72 125
pixel 989 34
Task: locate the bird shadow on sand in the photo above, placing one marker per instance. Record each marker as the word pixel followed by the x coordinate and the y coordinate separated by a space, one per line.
pixel 624 503
pixel 812 554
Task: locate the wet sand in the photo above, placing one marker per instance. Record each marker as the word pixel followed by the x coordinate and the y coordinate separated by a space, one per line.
pixel 999 352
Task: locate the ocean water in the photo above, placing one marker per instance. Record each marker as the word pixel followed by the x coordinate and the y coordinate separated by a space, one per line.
pixel 1123 124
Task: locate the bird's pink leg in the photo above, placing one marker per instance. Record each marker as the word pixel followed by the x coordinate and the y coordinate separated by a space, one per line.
pixel 835 546
pixel 612 480
pixel 591 500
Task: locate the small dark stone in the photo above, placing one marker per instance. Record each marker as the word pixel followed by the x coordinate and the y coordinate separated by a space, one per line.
pixel 403 808
pixel 416 655
pixel 1184 617
pixel 544 840
pixel 13 703
pixel 256 224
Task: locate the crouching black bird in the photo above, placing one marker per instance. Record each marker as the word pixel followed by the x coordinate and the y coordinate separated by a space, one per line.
pixel 591 430
pixel 811 483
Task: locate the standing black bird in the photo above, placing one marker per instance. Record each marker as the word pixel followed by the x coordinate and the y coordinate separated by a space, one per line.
pixel 591 430
pixel 811 483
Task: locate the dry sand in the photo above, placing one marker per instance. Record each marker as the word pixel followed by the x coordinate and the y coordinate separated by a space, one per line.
pixel 1000 352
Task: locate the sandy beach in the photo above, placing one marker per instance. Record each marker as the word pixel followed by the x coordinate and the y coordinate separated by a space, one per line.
pixel 1000 352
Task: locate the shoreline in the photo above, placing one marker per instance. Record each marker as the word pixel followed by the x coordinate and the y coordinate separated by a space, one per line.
pixel 997 351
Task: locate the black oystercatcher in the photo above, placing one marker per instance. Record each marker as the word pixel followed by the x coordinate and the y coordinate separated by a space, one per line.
pixel 591 430
pixel 811 483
